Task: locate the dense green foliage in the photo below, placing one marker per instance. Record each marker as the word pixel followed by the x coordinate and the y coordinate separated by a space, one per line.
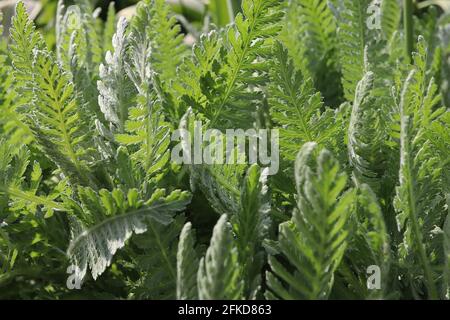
pixel 90 197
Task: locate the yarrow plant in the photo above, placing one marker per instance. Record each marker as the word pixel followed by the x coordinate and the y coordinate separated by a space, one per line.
pixel 300 151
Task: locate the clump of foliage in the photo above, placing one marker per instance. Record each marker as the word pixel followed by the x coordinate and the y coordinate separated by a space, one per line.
pixel 90 198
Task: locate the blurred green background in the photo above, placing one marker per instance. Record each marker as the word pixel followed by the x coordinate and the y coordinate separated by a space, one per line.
pixel 194 15
pixel 219 12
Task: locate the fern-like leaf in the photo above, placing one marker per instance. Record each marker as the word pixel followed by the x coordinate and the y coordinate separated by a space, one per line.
pixel 220 183
pixel 352 41
pixel 297 108
pixel 218 275
pixel 51 104
pixel 251 225
pixel 313 242
pixel 313 47
pixel 145 129
pixel 156 260
pixel 106 220
pixel 187 263
pixel 155 27
pixel 110 28
pixel 229 93
pixel 117 92
pixel 25 40
pixel 367 137
pixel 390 17
pixel 418 194
pixel 369 245
pixel 167 41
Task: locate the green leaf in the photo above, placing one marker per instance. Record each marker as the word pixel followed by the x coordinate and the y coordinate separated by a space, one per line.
pixel 447 255
pixel 369 245
pixel 251 225
pixel 156 261
pixel 366 137
pixel 187 263
pixel 352 41
pixel 110 28
pixel 117 92
pixel 218 275
pixel 224 98
pixel 296 108
pixel 51 105
pixel 313 46
pixel 313 242
pixel 390 17
pixel 418 192
pixel 106 220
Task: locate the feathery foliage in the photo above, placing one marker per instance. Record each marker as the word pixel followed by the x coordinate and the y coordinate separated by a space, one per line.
pixel 314 240
pixel 54 116
pixel 390 17
pixel 116 90
pixel 297 108
pixel 218 277
pixel 107 219
pixel 235 71
pixel 187 262
pixel 352 37
pixel 313 47
pixel 366 137
pixel 95 119
pixel 251 225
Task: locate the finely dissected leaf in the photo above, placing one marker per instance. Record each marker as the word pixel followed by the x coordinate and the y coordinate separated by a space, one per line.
pixel 220 183
pixel 106 220
pixel 110 28
pixel 156 261
pixel 187 265
pixel 229 92
pixel 218 274
pixel 369 246
pixel 51 104
pixel 251 225
pixel 390 17
pixel 13 165
pixel 77 34
pixel 313 242
pixel 88 119
pixel 418 194
pixel 313 47
pixel 78 51
pixel 296 108
pixel 91 27
pixel 117 93
pixel 316 28
pixel 59 120
pixel 155 33
pixel 145 128
pixel 25 40
pixel 367 137
pixel 352 41
pixel 11 123
pixel 167 42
